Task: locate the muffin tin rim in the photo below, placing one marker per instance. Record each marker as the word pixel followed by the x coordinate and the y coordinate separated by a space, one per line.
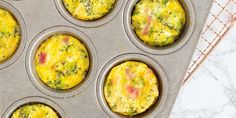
pixel 153 64
pixel 39 39
pixel 89 24
pixel 179 43
pixel 23 39
pixel 33 99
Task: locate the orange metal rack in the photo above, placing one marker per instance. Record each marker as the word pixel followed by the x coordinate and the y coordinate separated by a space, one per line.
pixel 221 18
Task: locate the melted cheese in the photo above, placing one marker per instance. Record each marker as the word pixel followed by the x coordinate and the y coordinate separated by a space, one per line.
pixel 62 62
pixel 158 22
pixel 88 9
pixel 35 111
pixel 9 35
pixel 131 88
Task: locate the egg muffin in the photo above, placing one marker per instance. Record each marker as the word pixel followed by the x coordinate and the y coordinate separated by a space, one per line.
pixel 89 9
pixel 62 62
pixel 9 35
pixel 158 23
pixel 35 111
pixel 131 88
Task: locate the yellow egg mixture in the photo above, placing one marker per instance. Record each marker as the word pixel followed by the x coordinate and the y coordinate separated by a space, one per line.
pixel 9 35
pixel 62 62
pixel 158 22
pixel 89 9
pixel 35 111
pixel 131 88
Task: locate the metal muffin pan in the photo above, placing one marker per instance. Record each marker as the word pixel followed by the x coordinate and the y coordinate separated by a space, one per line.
pixel 109 42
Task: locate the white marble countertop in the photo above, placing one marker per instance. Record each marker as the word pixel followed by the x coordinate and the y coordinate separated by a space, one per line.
pixel 211 93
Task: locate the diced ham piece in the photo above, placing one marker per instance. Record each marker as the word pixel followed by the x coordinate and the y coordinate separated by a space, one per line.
pixel 147 27
pixel 66 40
pixel 149 71
pixel 42 57
pixel 148 24
pixel 129 74
pixel 134 92
pixel 116 79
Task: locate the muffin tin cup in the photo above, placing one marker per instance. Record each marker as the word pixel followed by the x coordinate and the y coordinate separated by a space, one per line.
pixel 162 83
pixel 28 100
pixel 180 42
pixel 18 17
pixel 38 40
pixel 94 23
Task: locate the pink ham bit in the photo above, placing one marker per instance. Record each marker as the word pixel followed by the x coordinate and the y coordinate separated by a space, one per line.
pixel 115 80
pixel 42 57
pixel 66 40
pixel 129 73
pixel 146 29
pixel 134 92
pixel 149 19
pixel 149 71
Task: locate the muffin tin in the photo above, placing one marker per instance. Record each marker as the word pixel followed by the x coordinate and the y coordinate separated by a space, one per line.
pixel 110 41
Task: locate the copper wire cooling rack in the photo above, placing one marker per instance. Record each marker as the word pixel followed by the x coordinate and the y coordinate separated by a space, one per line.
pixel 221 18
